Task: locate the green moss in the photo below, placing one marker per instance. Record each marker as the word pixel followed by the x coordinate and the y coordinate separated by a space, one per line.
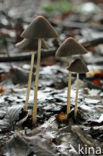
pixel 61 5
pixel 49 8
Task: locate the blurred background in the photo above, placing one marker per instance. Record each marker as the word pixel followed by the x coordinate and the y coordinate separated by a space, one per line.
pixel 28 8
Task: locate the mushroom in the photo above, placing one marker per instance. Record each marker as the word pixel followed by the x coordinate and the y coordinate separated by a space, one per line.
pixel 32 45
pixel 68 48
pixel 39 28
pixel 77 66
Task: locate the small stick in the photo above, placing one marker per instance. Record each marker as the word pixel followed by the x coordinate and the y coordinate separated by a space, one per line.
pixel 26 56
pixel 36 83
pixel 69 87
pixel 29 81
pixel 76 97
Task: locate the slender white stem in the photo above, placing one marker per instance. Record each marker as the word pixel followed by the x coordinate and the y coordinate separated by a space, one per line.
pixel 29 82
pixel 76 97
pixel 34 118
pixel 69 87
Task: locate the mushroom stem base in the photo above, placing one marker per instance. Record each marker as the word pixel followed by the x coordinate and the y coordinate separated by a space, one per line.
pixel 29 81
pixel 34 116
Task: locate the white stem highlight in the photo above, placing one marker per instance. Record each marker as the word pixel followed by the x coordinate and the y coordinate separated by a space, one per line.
pixel 76 97
pixel 69 87
pixel 29 82
pixel 34 117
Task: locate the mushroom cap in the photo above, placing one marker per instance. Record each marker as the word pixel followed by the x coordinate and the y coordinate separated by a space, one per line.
pixel 70 47
pixel 39 28
pixel 30 44
pixel 78 66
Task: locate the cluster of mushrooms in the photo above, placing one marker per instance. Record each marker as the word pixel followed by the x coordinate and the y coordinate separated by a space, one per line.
pixel 34 36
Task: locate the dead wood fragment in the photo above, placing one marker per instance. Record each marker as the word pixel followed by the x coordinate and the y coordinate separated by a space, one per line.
pixel 93 42
pixel 78 25
pixel 45 53
pixel 79 132
pixel 26 56
pixel 92 85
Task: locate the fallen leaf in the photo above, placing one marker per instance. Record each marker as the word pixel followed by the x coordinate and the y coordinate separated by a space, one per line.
pixel 62 116
pixel 97 82
pixel 1 90
pixel 3 77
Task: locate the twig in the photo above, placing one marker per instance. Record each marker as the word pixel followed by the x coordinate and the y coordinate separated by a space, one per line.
pixel 89 83
pixel 93 42
pixel 45 53
pixel 26 56
pixel 70 24
pixel 92 85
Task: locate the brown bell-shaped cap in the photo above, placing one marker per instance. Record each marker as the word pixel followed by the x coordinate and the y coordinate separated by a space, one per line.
pixel 78 66
pixel 39 28
pixel 70 47
pixel 30 44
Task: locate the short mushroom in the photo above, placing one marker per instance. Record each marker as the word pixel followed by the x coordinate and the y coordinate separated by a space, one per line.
pixel 39 28
pixel 77 66
pixel 68 48
pixel 30 45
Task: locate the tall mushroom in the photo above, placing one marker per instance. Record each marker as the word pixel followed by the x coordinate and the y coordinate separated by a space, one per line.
pixel 68 48
pixel 38 29
pixel 77 66
pixel 30 45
